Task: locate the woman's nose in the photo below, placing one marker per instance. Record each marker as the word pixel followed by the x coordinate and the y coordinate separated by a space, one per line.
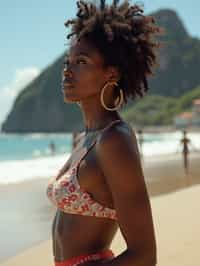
pixel 67 72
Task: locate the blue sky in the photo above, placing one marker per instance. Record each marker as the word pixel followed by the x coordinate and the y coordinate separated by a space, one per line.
pixel 33 36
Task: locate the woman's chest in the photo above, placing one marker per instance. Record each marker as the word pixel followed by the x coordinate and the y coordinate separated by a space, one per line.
pixel 90 176
pixel 84 174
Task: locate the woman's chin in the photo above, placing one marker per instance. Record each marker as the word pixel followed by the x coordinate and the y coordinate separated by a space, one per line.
pixel 67 99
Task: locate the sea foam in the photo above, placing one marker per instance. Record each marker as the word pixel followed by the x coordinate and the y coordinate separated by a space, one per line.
pixel 16 171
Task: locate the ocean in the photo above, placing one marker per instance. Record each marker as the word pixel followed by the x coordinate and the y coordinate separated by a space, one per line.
pixel 29 156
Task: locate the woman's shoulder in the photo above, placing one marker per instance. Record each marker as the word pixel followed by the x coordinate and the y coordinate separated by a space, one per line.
pixel 116 134
pixel 118 147
pixel 121 128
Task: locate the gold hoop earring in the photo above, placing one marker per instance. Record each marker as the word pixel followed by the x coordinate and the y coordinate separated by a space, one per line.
pixel 118 101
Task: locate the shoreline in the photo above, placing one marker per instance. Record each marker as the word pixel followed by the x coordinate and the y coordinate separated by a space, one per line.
pixel 165 129
pixel 149 129
pixel 164 177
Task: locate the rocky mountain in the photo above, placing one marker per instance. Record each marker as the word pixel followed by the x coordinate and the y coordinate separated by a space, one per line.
pixel 179 58
pixel 40 106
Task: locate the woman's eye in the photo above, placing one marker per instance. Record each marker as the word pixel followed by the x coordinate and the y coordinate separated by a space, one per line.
pixel 80 60
pixel 66 63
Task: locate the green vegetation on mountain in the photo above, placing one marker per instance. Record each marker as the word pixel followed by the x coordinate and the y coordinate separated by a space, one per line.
pixel 152 110
pixel 185 102
pixel 159 110
pixel 40 106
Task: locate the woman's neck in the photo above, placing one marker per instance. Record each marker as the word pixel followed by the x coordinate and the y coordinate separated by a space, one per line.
pixel 100 127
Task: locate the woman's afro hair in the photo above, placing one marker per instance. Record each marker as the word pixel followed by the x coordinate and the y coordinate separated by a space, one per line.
pixel 124 36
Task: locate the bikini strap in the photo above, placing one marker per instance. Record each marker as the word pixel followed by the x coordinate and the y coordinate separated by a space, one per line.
pixel 111 123
pixel 95 140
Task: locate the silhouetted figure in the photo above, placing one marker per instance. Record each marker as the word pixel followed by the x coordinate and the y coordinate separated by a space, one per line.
pixel 52 147
pixel 141 140
pixel 185 151
pixel 74 139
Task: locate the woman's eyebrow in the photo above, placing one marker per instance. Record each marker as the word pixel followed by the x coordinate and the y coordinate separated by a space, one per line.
pixel 85 54
pixel 76 55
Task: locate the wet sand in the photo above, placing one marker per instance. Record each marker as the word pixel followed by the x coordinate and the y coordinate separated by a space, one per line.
pixel 165 174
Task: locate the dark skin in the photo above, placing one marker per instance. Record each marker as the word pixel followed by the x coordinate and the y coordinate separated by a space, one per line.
pixel 117 183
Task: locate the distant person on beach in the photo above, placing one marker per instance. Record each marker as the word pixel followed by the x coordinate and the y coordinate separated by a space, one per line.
pixel 74 140
pixel 76 137
pixel 185 151
pixel 141 140
pixel 186 148
pixel 101 187
pixel 186 143
pixel 52 148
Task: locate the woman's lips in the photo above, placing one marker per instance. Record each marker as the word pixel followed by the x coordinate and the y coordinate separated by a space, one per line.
pixel 67 85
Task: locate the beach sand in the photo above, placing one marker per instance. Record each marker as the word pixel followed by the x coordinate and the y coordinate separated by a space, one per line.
pixel 165 173
pixel 176 214
pixel 26 216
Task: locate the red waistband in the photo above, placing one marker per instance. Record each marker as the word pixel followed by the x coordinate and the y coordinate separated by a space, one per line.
pixel 74 261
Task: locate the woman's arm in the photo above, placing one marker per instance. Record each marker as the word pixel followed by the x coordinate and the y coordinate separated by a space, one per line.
pixel 119 158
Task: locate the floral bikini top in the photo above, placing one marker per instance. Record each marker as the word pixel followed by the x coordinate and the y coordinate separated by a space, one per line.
pixel 67 195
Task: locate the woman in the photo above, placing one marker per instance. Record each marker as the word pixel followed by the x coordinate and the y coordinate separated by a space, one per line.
pixel 101 187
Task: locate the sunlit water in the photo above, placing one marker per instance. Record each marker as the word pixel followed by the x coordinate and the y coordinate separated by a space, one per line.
pixel 28 156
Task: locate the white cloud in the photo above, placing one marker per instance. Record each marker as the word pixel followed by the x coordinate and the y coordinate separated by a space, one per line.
pixel 8 93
